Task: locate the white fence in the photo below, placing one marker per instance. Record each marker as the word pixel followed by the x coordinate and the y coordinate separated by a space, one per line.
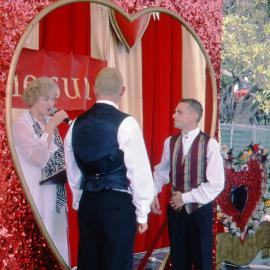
pixel 238 136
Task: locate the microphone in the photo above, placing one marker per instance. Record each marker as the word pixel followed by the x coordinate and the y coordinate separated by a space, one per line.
pixel 55 110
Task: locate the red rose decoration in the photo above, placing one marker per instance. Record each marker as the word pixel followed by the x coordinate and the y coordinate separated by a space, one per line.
pixel 256 147
pixel 254 179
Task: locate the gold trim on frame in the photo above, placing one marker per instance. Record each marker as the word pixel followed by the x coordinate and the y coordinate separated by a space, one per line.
pixel 230 249
pixel 119 32
pixel 266 253
pixel 164 262
pixel 11 75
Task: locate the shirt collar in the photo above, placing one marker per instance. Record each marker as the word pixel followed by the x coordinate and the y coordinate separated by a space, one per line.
pixel 109 102
pixel 192 133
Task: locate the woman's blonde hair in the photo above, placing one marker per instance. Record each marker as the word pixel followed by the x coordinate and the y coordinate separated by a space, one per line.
pixel 38 87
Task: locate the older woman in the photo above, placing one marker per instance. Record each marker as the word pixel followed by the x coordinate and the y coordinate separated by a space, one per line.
pixel 41 155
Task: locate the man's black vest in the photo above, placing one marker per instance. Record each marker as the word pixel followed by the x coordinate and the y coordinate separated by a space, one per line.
pixel 96 149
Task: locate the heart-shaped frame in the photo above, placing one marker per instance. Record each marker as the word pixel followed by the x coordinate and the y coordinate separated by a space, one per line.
pixel 254 179
pixel 11 75
pixel 129 32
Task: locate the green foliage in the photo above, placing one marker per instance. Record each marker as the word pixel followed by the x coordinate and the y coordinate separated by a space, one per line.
pixel 246 45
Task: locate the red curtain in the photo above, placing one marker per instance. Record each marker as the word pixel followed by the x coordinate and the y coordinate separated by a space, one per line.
pixel 162 88
pixel 67 29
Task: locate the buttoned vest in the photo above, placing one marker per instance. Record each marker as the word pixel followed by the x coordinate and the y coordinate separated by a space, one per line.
pixel 189 171
pixel 96 148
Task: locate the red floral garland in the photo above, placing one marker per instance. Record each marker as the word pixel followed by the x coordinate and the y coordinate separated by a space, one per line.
pixel 248 169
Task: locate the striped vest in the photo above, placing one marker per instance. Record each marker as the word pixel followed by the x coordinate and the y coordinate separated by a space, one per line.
pixel 187 172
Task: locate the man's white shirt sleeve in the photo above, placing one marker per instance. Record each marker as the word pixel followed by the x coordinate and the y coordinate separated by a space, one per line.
pixel 162 170
pixel 205 192
pixel 208 191
pixel 139 173
pixel 131 142
pixel 73 172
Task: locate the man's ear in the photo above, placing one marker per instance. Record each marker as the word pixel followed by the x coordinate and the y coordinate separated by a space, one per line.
pixel 195 116
pixel 122 91
pixel 95 92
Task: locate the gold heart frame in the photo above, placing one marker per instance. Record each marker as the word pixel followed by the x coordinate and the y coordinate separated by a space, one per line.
pixel 120 33
pixel 15 58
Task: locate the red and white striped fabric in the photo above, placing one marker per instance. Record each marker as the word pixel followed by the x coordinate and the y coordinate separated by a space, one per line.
pixel 163 66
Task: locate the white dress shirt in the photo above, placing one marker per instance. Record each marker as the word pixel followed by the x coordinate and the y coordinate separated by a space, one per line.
pixel 206 191
pixel 130 140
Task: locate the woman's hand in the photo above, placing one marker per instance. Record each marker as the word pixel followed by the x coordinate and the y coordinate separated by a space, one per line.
pixel 57 119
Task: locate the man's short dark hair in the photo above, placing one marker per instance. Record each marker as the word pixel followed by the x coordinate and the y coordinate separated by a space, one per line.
pixel 195 105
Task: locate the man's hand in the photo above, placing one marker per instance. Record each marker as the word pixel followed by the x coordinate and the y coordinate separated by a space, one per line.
pixel 155 207
pixel 176 200
pixel 142 227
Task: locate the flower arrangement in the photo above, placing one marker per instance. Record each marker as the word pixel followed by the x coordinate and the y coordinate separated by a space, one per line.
pixel 251 167
pixel 250 152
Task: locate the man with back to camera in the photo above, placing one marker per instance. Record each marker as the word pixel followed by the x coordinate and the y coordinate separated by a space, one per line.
pixel 110 178
pixel 192 162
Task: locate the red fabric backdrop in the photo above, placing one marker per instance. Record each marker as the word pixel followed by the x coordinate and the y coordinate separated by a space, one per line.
pixel 68 30
pixel 162 88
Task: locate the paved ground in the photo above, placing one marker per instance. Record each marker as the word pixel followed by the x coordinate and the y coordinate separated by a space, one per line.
pixel 155 260
pixel 158 256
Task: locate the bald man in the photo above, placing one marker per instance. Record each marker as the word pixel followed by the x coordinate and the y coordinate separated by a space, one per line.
pixel 110 178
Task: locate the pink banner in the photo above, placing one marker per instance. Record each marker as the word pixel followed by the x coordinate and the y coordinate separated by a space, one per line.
pixel 74 75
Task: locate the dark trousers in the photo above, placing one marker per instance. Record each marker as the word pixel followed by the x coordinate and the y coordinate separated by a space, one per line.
pixel 107 227
pixel 191 238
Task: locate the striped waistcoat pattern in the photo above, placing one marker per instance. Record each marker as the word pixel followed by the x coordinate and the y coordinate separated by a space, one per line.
pixel 189 171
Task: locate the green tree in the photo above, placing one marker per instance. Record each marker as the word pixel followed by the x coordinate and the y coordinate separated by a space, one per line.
pixel 246 49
